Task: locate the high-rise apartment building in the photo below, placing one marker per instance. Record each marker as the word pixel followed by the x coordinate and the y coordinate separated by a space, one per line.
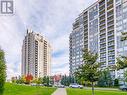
pixel 36 55
pixel 98 29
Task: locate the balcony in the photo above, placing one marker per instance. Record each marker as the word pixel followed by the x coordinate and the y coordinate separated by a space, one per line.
pixel 102 37
pixel 111 53
pixel 102 33
pixel 102 19
pixel 111 48
pixel 103 14
pixel 110 34
pixel 109 2
pixel 111 29
pixel 102 23
pixel 110 13
pixel 111 45
pixel 101 10
pixel 110 38
pixel 101 3
pixel 102 51
pixel 102 46
pixel 111 25
pixel 102 7
pixel 110 7
pixel 102 28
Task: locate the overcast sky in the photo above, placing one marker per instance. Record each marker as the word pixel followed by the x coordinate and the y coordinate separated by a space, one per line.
pixel 52 18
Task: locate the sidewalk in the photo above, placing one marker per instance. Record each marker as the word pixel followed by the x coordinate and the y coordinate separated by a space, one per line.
pixel 60 91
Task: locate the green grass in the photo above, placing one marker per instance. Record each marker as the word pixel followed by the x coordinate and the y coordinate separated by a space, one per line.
pixel 13 89
pixel 97 92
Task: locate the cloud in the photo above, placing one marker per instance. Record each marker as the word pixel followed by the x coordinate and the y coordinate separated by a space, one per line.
pixel 52 18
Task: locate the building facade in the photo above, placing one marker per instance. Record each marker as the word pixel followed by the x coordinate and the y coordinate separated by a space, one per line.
pixel 98 29
pixel 36 55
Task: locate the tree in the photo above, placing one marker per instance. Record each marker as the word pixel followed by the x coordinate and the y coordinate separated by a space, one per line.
pixel 105 78
pixel 38 80
pixel 67 80
pixel 116 82
pixel 122 64
pixel 89 70
pixel 125 76
pixel 28 78
pixel 2 72
pixel 46 80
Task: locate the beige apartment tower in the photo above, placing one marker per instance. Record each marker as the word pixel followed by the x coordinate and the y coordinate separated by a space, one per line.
pixel 36 55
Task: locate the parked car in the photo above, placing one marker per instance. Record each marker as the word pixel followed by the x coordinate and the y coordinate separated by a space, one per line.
pixel 61 86
pixel 33 84
pixel 123 87
pixel 75 85
pixel 41 85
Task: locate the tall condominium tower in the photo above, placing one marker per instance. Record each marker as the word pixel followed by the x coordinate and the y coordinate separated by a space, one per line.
pixel 36 55
pixel 98 29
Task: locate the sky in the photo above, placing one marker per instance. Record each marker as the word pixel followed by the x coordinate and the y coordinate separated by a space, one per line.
pixel 52 18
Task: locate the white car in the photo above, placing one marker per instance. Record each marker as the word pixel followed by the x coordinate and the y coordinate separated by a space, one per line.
pixel 75 85
pixel 123 87
pixel 60 86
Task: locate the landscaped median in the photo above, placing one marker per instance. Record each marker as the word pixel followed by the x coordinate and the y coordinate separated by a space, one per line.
pixel 14 89
pixel 71 91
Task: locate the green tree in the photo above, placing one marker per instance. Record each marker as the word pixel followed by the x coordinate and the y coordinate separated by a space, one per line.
pixel 40 81
pixel 122 64
pixel 89 71
pixel 2 72
pixel 105 78
pixel 116 82
pixel 19 80
pixel 125 76
pixel 46 80
pixel 67 80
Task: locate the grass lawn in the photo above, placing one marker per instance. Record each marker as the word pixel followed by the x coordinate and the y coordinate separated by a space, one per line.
pixel 71 91
pixel 13 89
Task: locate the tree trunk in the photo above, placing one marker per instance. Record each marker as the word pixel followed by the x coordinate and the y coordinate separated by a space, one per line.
pixel 92 88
